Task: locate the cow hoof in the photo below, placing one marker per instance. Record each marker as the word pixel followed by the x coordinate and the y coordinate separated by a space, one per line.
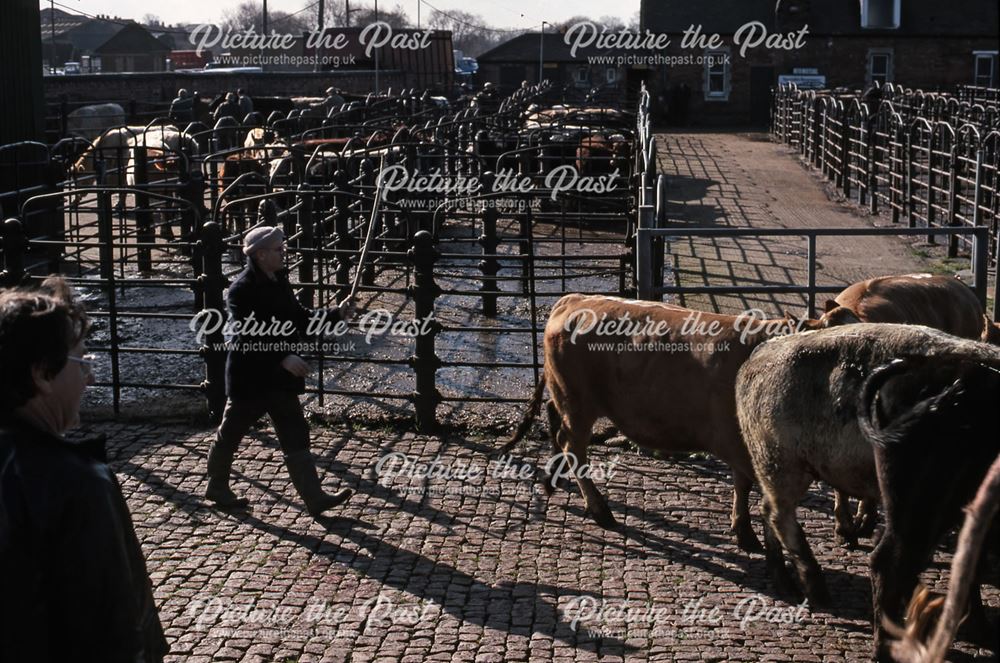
pixel 748 541
pixel 819 595
pixel 847 542
pixel 604 519
pixel 865 528
pixel 785 587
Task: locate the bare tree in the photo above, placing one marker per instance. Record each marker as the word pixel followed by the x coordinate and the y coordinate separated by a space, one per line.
pixel 469 33
pixel 151 19
pixel 250 13
pixel 395 17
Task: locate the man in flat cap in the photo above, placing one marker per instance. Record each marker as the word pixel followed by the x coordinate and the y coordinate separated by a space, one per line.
pixel 264 375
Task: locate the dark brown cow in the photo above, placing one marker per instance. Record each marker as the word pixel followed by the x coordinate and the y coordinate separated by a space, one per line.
pixel 667 382
pixel 934 428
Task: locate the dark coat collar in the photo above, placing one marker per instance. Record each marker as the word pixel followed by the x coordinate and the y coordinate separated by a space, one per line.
pixel 92 447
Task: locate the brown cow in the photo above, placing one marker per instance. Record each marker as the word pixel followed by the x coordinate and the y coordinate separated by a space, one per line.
pixel 598 154
pixel 940 302
pixel 665 376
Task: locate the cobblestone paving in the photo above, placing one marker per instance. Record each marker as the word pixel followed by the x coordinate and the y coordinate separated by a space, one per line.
pixel 744 180
pixel 483 569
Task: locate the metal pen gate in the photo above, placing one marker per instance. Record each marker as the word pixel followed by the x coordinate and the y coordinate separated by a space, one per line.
pixel 648 277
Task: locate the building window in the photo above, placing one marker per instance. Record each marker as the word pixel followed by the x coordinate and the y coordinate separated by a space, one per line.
pixel 582 75
pixel 717 75
pixel 881 14
pixel 611 76
pixel 879 67
pixel 986 69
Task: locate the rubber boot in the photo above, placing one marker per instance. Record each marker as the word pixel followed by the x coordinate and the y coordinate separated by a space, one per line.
pixel 220 462
pixel 302 470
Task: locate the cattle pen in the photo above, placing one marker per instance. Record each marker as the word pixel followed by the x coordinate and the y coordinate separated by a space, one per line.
pixel 463 221
pixel 149 235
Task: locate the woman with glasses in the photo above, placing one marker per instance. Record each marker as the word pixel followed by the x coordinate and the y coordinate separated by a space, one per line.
pixel 73 581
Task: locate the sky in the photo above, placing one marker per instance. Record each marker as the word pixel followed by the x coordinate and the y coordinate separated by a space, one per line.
pixel 497 13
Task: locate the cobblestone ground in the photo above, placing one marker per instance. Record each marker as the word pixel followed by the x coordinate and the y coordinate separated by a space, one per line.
pixel 744 180
pixel 482 569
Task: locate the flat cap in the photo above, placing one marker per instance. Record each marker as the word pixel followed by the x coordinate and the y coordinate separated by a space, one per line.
pixel 261 237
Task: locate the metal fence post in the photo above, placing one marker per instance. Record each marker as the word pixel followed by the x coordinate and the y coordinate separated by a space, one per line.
pixel 143 214
pixel 811 313
pixel 424 362
pixel 14 247
pixel 644 254
pixel 489 264
pixel 212 282
pixel 192 191
pixel 996 284
pixel 306 246
pixel 524 246
pixel 105 250
pixel 953 198
pixel 344 245
pixel 980 263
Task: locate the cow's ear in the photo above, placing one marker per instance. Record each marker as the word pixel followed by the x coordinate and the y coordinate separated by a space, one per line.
pixel 830 305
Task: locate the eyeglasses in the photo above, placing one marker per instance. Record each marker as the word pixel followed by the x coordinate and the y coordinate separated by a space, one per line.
pixel 86 362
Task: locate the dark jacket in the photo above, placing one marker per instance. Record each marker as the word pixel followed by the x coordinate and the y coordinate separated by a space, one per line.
pixel 227 109
pixel 73 581
pixel 182 109
pixel 256 371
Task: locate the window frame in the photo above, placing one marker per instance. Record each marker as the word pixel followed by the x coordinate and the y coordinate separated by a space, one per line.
pixel 991 56
pixel 889 67
pixel 722 95
pixel 895 16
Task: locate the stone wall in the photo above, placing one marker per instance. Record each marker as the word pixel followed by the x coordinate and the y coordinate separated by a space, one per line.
pixel 163 86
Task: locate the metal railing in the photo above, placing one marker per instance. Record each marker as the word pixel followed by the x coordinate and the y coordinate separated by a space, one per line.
pixel 646 261
pixel 930 159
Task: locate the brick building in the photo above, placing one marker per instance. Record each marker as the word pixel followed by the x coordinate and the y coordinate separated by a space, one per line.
pixel 516 60
pixel 919 43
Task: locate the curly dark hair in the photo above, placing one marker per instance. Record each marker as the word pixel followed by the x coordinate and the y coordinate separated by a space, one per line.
pixel 38 327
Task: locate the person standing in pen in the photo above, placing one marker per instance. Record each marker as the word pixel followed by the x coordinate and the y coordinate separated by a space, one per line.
pixel 263 376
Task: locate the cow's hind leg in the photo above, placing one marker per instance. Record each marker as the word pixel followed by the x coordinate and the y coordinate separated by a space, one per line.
pixel 573 440
pixel 745 537
pixel 549 483
pixel 781 517
pixel 867 517
pixel 845 533
pixel 784 585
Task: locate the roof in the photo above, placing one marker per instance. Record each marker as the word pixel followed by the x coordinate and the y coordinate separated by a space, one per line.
pixel 133 38
pixel 525 48
pixel 87 36
pixel 63 21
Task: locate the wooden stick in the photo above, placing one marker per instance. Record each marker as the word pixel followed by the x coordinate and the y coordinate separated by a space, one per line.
pixel 371 227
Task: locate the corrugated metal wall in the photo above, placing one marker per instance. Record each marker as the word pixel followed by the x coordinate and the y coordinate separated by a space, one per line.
pixel 21 102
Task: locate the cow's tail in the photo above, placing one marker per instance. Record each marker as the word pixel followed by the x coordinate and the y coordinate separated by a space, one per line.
pixel 868 418
pixel 534 407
